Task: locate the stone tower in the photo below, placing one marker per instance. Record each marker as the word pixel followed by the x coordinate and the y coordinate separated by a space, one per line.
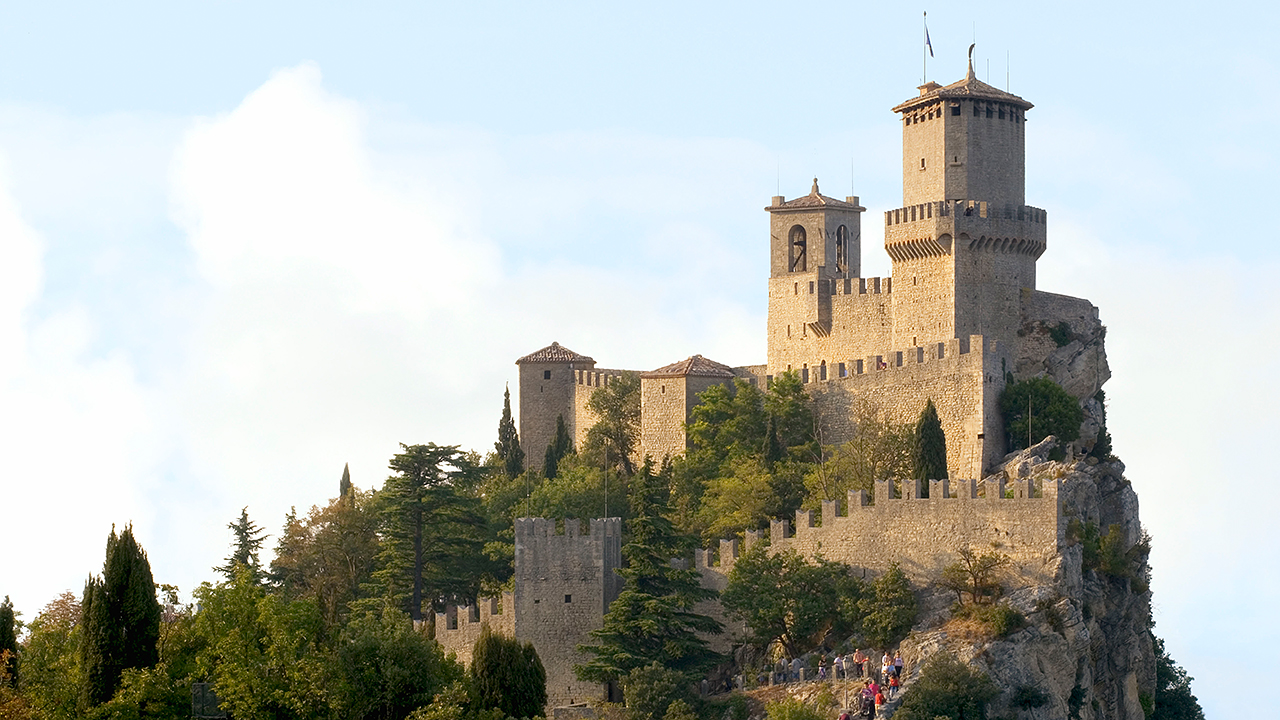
pixel 548 389
pixel 964 245
pixel 813 241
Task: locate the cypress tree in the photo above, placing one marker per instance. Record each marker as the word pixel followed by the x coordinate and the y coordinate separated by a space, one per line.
pixel 120 619
pixel 929 455
pixel 9 641
pixel 508 445
pixel 508 675
pixel 248 542
pixel 345 488
pixel 559 446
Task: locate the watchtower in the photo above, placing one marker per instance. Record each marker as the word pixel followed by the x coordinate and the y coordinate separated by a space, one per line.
pixel 548 388
pixel 964 245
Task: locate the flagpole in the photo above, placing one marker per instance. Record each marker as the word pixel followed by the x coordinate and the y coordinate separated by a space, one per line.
pixel 924 51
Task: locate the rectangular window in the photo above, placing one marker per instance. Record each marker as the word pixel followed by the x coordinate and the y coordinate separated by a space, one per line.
pixel 1002 113
pixel 843 373
pixel 975 110
pixel 955 109
pixel 568 598
pixel 546 374
pixel 810 287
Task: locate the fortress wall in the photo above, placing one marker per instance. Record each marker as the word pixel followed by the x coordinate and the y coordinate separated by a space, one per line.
pixel 923 536
pixel 988 290
pixel 861 320
pixel 663 403
pixel 563 586
pixel 961 377
pixel 924 306
pixel 458 627
pixel 585 383
pixel 714 570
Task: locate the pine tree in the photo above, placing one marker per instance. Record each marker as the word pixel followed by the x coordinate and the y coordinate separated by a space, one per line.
pixel 653 619
pixel 929 454
pixel 433 531
pixel 8 642
pixel 248 542
pixel 120 619
pixel 508 675
pixel 508 445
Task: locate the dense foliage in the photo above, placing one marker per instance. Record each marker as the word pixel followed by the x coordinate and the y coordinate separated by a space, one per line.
pixel 507 448
pixel 929 452
pixel 653 619
pixel 1174 699
pixel 508 675
pixel 1036 408
pixel 947 688
pixel 120 620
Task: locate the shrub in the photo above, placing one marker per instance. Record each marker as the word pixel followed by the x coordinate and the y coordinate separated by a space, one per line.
pixel 1061 334
pixel 948 688
pixel 1053 411
pixel 508 675
pixel 1027 697
pixel 651 690
pixel 999 620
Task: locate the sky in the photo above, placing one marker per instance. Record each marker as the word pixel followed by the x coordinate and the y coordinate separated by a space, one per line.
pixel 244 244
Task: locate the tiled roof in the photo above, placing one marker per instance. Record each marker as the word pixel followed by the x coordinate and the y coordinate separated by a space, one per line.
pixel 813 200
pixel 555 352
pixel 696 366
pixel 969 87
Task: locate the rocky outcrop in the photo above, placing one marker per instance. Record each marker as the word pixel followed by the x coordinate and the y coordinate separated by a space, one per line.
pixel 1087 644
pixel 1062 337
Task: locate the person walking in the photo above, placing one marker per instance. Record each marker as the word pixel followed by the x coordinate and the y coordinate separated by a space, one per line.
pixel 897 664
pixel 858 661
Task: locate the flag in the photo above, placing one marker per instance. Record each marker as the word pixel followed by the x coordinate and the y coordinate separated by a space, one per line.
pixel 926 40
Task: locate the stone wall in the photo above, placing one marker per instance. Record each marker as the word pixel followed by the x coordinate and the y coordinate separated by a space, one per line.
pixel 585 384
pixel 547 391
pixel 564 583
pixel 962 377
pixel 459 626
pixel 858 320
pixel 923 535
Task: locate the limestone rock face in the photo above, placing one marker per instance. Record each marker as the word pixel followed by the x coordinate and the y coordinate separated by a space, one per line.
pixel 1087 644
pixel 1062 338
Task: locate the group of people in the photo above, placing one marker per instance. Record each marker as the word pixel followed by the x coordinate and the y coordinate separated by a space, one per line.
pixel 873 693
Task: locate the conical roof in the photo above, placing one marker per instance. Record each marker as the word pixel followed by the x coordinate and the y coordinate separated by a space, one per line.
pixel 555 352
pixel 696 366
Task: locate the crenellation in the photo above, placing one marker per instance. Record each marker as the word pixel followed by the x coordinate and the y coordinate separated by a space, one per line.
pixel 939 489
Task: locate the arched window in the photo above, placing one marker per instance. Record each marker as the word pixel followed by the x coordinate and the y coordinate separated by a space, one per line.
pixel 799 244
pixel 842 248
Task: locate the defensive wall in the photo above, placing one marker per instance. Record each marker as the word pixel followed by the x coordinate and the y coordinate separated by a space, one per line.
pixel 963 377
pixel 1022 519
pixel 585 384
pixel 459 626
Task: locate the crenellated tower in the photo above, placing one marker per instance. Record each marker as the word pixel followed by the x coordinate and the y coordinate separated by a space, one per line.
pixel 964 245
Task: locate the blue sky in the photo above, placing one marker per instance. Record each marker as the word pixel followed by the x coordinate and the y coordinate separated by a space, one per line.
pixel 245 243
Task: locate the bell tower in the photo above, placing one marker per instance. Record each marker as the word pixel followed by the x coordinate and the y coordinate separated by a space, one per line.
pixel 964 245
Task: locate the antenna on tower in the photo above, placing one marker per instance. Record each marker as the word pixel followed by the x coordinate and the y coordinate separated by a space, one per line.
pixel 1006 71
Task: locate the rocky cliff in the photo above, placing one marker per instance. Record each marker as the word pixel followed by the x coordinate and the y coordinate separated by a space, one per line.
pixel 1086 651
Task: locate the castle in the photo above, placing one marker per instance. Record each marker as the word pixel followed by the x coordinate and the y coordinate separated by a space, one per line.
pixel 960 315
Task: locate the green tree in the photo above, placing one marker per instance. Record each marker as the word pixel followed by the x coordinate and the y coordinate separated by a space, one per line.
pixel 1173 700
pixel 9 642
pixel 889 610
pixel 650 691
pixel 929 453
pixel 1036 408
pixel 51 661
pixel 612 440
pixel 261 652
pixel 507 447
pixel 245 548
pixel 345 488
pixel 653 619
pixel 120 620
pixel 433 532
pixel 1102 445
pixel 508 675
pixel 328 556
pixel 878 450
pixel 386 669
pixel 791 409
pixel 560 446
pixel 975 574
pixel 786 598
pixel 947 688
